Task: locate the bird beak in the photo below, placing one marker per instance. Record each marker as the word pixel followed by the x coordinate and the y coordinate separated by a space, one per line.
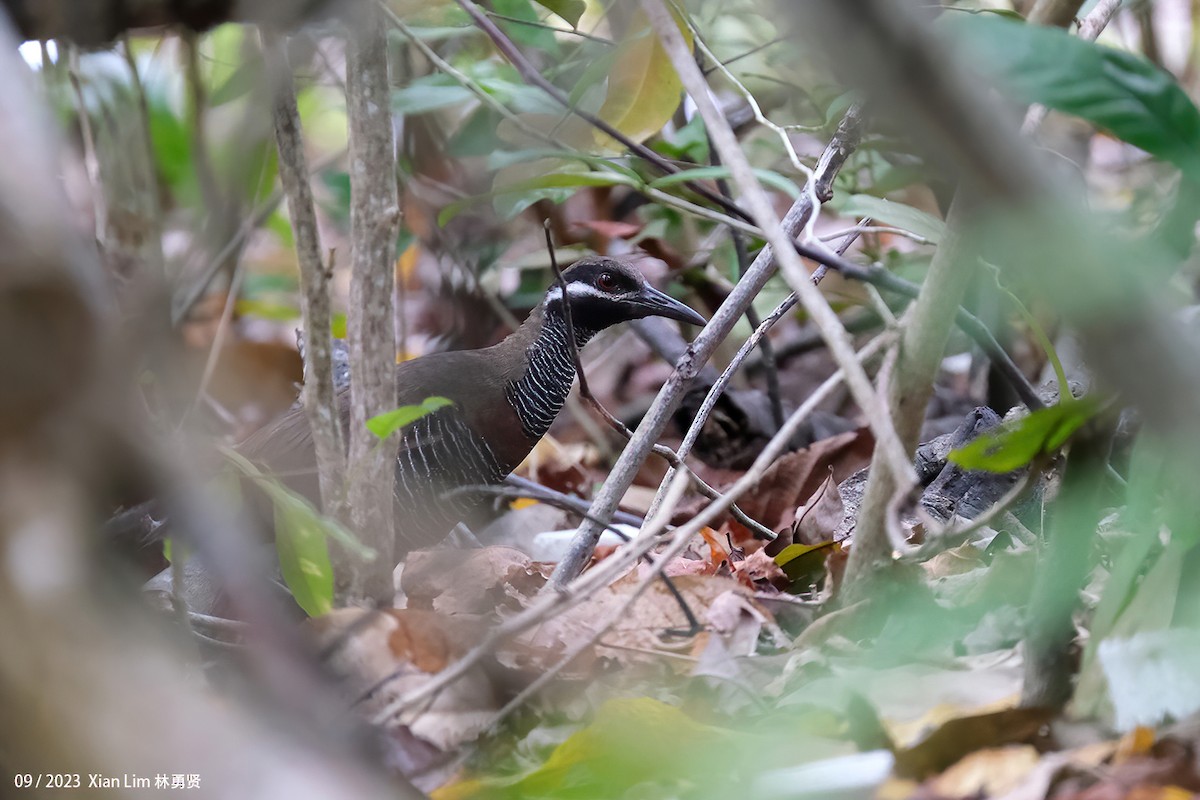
pixel 653 303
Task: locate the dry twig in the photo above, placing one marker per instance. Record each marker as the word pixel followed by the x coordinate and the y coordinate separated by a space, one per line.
pixel 319 394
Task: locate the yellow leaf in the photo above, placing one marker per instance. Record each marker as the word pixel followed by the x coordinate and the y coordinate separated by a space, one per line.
pixel 406 264
pixel 643 88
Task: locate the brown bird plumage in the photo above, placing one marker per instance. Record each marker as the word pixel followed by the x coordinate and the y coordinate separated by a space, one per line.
pixel 503 397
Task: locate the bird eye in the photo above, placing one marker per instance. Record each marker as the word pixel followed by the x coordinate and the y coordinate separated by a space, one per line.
pixel 607 282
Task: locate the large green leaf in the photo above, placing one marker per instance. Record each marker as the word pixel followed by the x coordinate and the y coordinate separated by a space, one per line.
pixel 643 87
pixel 1016 443
pixel 1120 92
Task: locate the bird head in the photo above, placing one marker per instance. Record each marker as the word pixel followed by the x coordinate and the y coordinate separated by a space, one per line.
pixel 604 291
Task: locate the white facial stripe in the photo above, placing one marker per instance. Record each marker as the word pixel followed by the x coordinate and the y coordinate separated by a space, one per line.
pixel 576 289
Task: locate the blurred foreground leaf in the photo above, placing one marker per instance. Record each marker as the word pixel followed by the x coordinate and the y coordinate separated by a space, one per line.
pixel 301 540
pixel 768 177
pixel 1120 92
pixel 1016 443
pixel 632 742
pixel 570 10
pixel 892 213
pixel 1153 676
pixel 384 425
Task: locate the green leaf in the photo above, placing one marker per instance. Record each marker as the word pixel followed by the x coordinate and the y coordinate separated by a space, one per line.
pixel 534 189
pixel 768 177
pixel 243 79
pixel 429 94
pixel 263 309
pixel 569 10
pixel 172 146
pixel 511 199
pixel 1120 92
pixel 384 425
pixel 535 36
pixel 799 561
pixel 168 549
pixel 1001 12
pixel 1016 443
pixel 303 554
pixel 594 74
pixel 301 540
pixel 898 214
pixel 643 87
pixel 338 325
pixel 499 159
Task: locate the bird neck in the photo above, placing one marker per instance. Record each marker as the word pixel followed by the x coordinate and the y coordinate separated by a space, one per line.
pixel 539 394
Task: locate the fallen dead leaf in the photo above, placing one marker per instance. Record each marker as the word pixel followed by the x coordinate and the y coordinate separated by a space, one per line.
pixel 481 581
pixel 962 735
pixel 644 630
pixel 797 476
pixel 820 516
pixel 758 569
pixel 735 623
pixel 362 647
pixel 986 773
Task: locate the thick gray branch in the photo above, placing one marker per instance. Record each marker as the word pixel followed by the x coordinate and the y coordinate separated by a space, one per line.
pixel 373 218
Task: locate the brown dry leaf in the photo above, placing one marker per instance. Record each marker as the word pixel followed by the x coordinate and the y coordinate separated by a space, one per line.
pixel 1135 743
pixel 480 581
pixel 795 477
pixel 962 735
pixel 1167 771
pixel 759 568
pixel 987 773
pixel 735 623
pixel 568 468
pixel 638 633
pixel 1037 782
pixel 688 566
pixel 718 553
pixel 955 561
pixel 818 518
pixel 368 646
pixel 815 522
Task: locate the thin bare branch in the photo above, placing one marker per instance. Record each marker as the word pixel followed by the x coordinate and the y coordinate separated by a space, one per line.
pixel 891 446
pixel 718 388
pixel 320 400
pixel 656 418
